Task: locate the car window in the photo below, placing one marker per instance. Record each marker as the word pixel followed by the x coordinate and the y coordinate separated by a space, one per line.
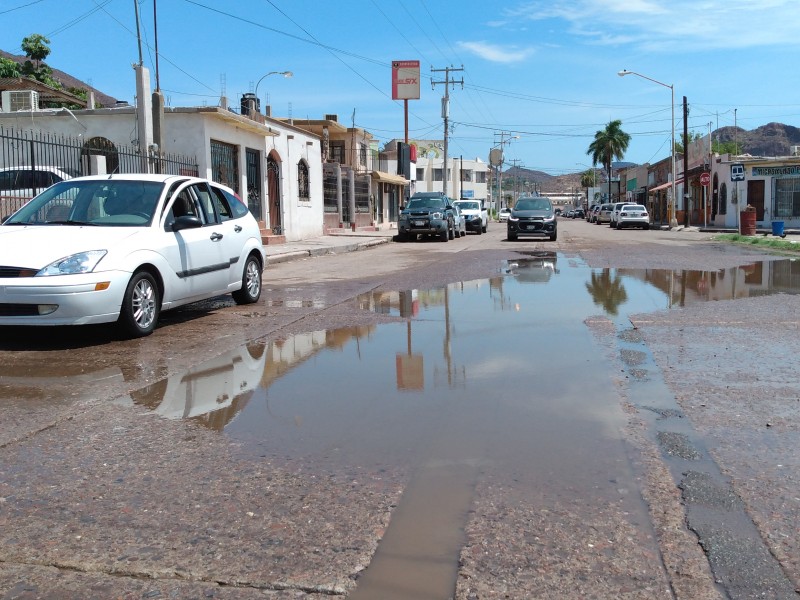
pixel 203 199
pixel 228 205
pixel 533 204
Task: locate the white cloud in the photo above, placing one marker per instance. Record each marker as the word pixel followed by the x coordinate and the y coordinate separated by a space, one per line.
pixel 495 53
pixel 688 25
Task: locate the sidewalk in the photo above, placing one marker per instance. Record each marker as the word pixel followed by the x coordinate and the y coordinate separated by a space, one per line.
pixel 336 243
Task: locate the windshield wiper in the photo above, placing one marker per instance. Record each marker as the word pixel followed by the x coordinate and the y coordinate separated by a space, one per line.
pixel 70 222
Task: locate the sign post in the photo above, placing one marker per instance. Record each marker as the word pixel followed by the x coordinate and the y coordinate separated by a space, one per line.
pixel 405 85
pixel 705 180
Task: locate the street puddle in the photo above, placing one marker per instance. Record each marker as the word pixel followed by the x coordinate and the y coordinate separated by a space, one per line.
pixel 497 377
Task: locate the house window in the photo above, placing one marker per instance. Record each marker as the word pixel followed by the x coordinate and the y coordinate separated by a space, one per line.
pixel 437 174
pixel 466 175
pixel 337 152
pixel 480 177
pixel 787 197
pixel 302 181
pixel 723 199
pixel 225 164
pixel 421 174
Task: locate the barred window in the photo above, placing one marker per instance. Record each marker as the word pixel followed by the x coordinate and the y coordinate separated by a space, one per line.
pixel 787 197
pixel 337 152
pixel 480 176
pixel 302 181
pixel 362 154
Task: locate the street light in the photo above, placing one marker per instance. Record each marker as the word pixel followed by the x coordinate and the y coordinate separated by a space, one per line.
pixel 286 74
pixel 673 222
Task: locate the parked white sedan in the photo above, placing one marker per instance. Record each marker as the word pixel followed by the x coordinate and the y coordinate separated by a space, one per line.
pixel 122 248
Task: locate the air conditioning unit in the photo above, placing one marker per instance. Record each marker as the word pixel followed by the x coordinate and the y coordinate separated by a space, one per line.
pixel 16 100
pixel 794 150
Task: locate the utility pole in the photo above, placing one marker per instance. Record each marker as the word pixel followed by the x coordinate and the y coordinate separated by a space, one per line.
pixel 515 191
pixel 686 187
pixel 446 108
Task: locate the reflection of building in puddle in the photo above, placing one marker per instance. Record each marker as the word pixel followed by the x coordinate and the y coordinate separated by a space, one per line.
pixel 757 279
pixel 281 303
pixel 215 391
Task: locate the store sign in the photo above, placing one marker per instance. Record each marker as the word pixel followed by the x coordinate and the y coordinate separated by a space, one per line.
pixel 773 171
pixel 405 80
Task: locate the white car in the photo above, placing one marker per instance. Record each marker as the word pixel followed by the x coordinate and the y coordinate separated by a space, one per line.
pixel 476 216
pixel 20 184
pixel 122 248
pixel 503 214
pixel 633 215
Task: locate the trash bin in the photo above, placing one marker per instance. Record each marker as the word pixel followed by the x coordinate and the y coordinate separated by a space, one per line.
pixel 747 222
pixel 777 228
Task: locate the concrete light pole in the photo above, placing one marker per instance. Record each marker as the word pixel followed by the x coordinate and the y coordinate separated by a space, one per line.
pixel 673 222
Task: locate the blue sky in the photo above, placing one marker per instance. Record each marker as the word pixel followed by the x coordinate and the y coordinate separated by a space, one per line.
pixel 545 71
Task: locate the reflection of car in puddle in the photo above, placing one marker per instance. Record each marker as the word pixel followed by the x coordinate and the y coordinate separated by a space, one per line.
pixel 537 267
pixel 214 391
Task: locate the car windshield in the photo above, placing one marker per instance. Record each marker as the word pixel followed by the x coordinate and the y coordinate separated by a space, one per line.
pixel 114 202
pixel 533 204
pixel 416 203
pixel 469 205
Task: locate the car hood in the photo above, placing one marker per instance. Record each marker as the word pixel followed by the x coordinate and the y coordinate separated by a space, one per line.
pixel 470 211
pixel 34 247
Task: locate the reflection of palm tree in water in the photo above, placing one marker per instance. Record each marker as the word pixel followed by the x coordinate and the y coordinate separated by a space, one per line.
pixel 607 292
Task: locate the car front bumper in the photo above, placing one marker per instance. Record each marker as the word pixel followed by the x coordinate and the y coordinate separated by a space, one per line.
pixel 422 225
pixel 522 228
pixel 63 299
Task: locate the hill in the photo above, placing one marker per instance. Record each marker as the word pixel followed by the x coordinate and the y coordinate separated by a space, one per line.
pixel 772 139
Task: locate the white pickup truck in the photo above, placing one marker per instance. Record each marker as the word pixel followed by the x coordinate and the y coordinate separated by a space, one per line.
pixel 475 214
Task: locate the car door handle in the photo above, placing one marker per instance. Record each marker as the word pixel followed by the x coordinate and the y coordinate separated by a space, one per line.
pixel 238 228
pixel 215 237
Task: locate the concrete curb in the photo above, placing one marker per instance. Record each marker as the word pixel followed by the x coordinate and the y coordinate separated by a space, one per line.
pixel 276 256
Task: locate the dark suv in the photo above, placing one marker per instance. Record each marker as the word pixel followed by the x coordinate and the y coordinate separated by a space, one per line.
pixel 427 213
pixel 532 216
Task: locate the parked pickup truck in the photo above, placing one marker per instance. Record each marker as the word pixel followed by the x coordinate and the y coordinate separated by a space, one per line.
pixel 427 213
pixel 476 215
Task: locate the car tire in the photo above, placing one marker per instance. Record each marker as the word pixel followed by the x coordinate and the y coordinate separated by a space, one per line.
pixel 486 228
pixel 141 306
pixel 479 230
pixel 444 236
pixel 554 236
pixel 250 291
pixel 511 237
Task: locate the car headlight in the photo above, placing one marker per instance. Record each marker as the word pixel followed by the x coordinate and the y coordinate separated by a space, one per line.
pixel 82 262
pixel 437 215
pixel 550 219
pixel 512 218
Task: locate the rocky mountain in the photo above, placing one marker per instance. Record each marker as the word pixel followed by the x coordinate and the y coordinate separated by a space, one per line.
pixel 772 139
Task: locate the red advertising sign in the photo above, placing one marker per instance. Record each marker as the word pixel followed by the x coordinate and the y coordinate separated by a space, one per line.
pixel 405 80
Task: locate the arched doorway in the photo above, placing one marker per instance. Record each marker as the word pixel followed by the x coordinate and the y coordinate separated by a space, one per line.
pixel 274 194
pixel 100 146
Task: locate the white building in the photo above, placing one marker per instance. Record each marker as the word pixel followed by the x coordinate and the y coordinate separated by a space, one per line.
pixel 466 178
pixel 274 167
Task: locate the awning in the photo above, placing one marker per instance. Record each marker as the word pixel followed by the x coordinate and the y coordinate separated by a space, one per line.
pixel 382 177
pixel 663 186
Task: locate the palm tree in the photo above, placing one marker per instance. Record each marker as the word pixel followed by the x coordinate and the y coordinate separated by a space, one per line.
pixel 588 180
pixel 609 144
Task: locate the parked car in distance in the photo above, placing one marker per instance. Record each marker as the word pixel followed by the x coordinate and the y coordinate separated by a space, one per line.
pixel 427 213
pixel 591 216
pixel 603 214
pixel 502 216
pixel 476 215
pixel 532 216
pixel 633 215
pixel 615 212
pixel 124 248
pixel 578 213
pixel 460 221
pixel 20 184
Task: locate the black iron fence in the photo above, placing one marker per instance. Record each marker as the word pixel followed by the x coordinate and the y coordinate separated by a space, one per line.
pixel 32 161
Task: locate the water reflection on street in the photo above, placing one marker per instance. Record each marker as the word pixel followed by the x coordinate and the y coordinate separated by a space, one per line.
pixel 374 393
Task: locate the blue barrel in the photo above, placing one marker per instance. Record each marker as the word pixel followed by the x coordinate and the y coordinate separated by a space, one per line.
pixel 777 228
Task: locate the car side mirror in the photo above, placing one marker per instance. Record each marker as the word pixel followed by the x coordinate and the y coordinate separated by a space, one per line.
pixel 186 222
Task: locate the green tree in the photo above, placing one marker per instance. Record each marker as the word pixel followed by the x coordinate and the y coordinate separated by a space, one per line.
pixel 9 69
pixel 35 46
pixel 681 144
pixel 609 144
pixel 729 147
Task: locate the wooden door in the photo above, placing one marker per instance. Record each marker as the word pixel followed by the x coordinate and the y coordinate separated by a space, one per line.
pixel 755 197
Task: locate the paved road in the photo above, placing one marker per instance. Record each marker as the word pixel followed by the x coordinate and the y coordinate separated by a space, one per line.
pixel 100 497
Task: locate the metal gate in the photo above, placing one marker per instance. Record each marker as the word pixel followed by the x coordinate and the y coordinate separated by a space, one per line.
pixel 254 183
pixel 225 164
